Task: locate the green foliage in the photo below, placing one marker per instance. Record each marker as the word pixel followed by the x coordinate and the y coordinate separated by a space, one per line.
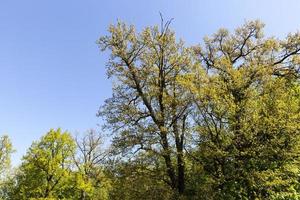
pixel 59 167
pixel 140 178
pixel 148 111
pixel 46 168
pixel 247 107
pixel 5 152
pixel 91 180
pixel 240 109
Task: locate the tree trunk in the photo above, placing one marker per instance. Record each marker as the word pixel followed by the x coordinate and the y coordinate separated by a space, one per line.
pixel 180 162
pixel 168 161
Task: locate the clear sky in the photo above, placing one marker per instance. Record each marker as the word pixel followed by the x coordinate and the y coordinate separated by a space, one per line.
pixel 52 73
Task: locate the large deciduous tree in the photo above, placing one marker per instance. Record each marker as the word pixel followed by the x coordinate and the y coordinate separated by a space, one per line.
pixel 246 100
pixel 149 109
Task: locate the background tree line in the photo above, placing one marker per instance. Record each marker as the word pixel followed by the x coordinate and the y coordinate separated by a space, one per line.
pixel 220 120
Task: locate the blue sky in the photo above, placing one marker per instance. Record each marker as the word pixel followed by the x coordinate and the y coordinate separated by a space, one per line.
pixel 52 73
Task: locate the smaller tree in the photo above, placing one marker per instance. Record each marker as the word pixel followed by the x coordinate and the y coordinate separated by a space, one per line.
pixel 89 175
pixel 46 168
pixel 5 152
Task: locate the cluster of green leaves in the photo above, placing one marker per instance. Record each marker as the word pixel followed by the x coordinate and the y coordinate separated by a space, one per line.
pixel 5 152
